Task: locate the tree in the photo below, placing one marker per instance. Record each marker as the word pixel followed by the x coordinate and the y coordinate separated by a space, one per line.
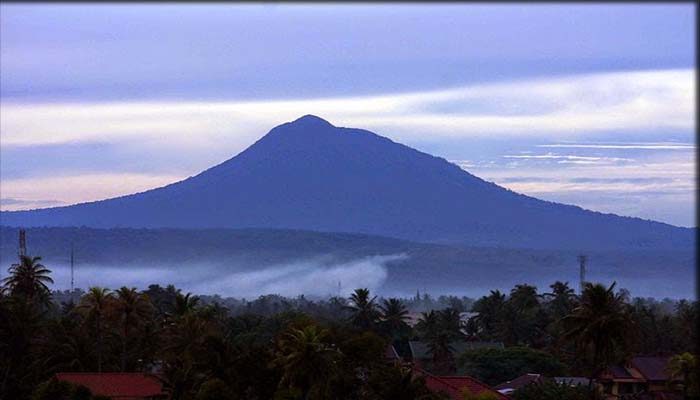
pixel 131 308
pixel 521 320
pixel 394 317
pixel 488 309
pixel 364 314
pixel 184 304
pixel 398 383
pixel 29 280
pixel 438 330
pixel 599 327
pixel 469 395
pixel 562 299
pixel 95 305
pixel 305 359
pixel 683 367
pixel 494 366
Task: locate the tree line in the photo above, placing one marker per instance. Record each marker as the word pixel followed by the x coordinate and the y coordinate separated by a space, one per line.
pixel 279 348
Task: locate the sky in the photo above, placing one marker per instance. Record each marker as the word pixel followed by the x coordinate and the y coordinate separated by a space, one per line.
pixel 586 104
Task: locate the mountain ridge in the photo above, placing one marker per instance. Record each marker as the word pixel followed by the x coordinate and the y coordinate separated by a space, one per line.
pixel 308 174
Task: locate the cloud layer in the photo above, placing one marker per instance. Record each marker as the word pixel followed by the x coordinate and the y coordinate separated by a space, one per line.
pixel 558 107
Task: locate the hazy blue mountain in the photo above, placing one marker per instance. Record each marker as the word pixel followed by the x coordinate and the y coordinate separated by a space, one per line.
pixel 311 175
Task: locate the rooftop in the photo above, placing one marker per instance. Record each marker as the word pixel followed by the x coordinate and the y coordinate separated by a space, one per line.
pixel 121 386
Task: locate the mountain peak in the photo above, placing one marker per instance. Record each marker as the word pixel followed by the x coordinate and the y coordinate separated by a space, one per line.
pixel 310 120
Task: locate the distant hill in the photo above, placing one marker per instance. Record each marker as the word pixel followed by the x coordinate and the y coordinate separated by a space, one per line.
pixel 110 253
pixel 311 175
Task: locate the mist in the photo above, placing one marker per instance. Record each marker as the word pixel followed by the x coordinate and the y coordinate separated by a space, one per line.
pixel 319 276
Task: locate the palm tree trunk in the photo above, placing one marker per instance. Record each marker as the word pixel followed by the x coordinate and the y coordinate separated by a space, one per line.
pixel 99 346
pixel 5 377
pixel 594 372
pixel 126 334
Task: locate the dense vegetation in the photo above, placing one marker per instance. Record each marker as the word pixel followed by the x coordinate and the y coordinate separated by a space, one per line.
pixel 278 348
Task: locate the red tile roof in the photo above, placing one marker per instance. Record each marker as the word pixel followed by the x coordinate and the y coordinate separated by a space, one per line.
pixel 454 385
pixel 122 386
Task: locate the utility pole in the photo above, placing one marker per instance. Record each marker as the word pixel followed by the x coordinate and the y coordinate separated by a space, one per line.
pixel 582 270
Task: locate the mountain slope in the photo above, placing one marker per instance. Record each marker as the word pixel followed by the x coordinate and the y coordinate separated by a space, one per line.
pixel 310 175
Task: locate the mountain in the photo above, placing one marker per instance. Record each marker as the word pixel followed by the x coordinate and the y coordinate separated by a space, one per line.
pixel 311 175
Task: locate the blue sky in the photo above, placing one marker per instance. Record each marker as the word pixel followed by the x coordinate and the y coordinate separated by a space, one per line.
pixel 586 104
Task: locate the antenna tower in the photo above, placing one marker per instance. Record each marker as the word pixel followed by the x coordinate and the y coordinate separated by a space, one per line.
pixel 72 281
pixel 22 244
pixel 582 270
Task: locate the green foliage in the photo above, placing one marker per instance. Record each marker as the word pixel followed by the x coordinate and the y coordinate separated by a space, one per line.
pixel 550 390
pixel 684 370
pixel 282 348
pixel 468 395
pixel 600 327
pixel 54 389
pixel 214 389
pixel 363 309
pixel 494 366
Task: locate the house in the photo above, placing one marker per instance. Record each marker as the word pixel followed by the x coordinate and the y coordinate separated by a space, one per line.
pixel 118 386
pixel 390 354
pixel 455 386
pixel 572 380
pixel 511 386
pixel 643 377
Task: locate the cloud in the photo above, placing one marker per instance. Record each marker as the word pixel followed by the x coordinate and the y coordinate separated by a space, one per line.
pixel 564 106
pixel 76 189
pixel 625 146
pixel 569 158
pixel 12 203
pixel 659 185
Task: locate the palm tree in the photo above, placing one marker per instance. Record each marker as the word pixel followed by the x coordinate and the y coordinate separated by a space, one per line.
pixel 684 367
pixel 451 321
pixel 399 383
pixel 599 326
pixel 305 359
pixel 562 299
pixel 28 279
pixel 95 305
pixel 438 330
pixel 394 316
pixel 132 308
pixel 489 309
pixel 426 322
pixel 524 297
pixel 184 304
pixel 363 309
